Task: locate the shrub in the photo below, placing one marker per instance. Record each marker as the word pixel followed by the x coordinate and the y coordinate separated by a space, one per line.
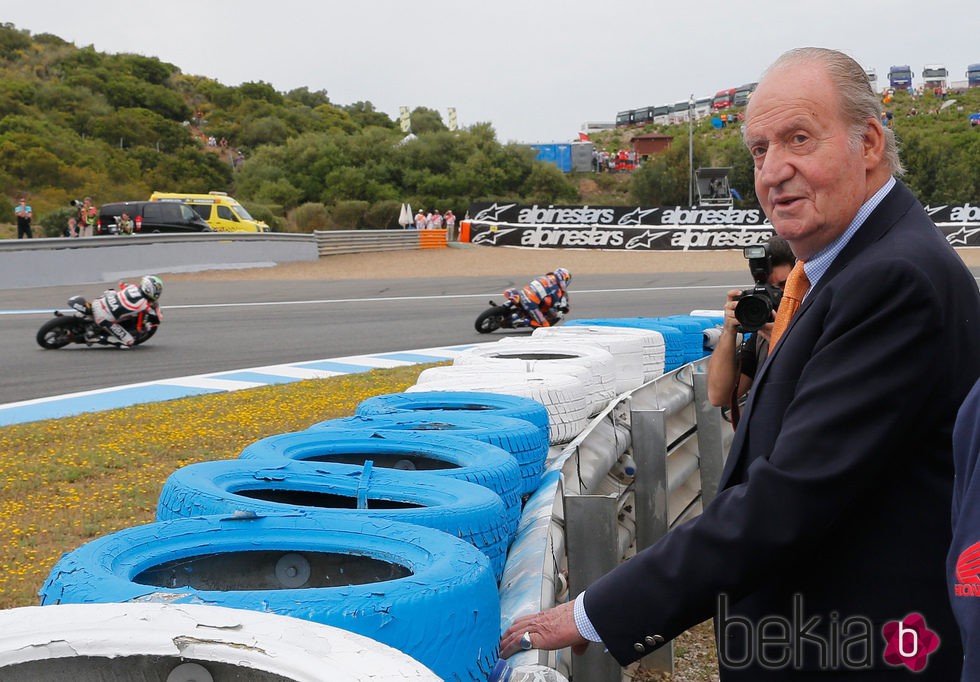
pixel 383 215
pixel 348 215
pixel 308 217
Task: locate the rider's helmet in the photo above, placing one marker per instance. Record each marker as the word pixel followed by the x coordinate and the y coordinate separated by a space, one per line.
pixel 563 276
pixel 152 287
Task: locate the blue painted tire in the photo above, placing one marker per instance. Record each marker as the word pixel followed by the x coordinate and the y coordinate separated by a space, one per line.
pixel 521 439
pixel 467 402
pixel 421 591
pixel 438 455
pixel 325 489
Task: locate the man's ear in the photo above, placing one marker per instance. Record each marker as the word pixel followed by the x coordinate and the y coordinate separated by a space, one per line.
pixel 873 144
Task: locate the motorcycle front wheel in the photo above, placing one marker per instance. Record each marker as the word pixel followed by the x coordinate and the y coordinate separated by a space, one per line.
pixel 59 332
pixel 492 319
pixel 140 337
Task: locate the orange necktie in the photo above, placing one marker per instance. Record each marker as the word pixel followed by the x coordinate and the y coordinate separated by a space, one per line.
pixel 797 285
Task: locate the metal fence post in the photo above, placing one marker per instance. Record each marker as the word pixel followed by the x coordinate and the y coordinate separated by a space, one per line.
pixel 711 448
pixel 592 548
pixel 649 438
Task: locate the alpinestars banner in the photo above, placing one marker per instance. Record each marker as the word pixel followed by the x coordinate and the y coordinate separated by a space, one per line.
pixel 657 228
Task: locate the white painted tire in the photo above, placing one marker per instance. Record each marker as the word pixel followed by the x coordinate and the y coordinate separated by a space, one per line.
pixel 654 346
pixel 563 396
pixel 627 351
pixel 88 642
pixel 596 396
pixel 546 355
pixel 674 348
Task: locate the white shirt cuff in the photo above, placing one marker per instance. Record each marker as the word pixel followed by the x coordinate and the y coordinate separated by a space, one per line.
pixel 582 622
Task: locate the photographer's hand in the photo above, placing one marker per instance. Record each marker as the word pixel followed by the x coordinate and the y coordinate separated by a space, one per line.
pixel 765 330
pixel 731 324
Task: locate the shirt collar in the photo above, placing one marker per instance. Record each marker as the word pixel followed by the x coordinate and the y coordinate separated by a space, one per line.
pixel 817 266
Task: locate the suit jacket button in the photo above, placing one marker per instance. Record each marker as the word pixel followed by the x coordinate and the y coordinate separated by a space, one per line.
pixel 658 639
pixel 639 647
pixel 649 641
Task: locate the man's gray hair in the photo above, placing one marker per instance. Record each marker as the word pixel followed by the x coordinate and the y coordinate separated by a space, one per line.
pixel 858 102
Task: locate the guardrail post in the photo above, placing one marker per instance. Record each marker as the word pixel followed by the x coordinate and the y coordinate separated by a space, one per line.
pixel 649 438
pixel 592 549
pixel 711 448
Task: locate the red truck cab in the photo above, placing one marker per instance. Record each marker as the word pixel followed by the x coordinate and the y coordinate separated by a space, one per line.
pixel 723 99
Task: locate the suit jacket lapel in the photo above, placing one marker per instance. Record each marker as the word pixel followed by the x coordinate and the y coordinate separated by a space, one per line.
pixel 895 204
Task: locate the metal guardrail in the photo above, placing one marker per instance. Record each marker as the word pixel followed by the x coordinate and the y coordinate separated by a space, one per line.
pixel 333 242
pixel 588 515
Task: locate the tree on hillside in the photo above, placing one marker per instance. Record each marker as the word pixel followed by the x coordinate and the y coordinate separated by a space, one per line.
pixel 425 120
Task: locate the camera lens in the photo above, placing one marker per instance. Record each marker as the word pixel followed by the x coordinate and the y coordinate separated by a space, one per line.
pixel 753 312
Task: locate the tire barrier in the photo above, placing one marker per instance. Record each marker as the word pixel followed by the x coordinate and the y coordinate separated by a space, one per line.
pixel 184 642
pixel 421 591
pixel 438 455
pixel 699 323
pixel 651 343
pixel 595 395
pixel 521 439
pixel 548 356
pixel 459 401
pixel 328 490
pixel 675 350
pixel 626 350
pixel 563 396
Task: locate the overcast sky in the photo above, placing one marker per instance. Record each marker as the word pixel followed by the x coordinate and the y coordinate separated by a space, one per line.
pixel 535 69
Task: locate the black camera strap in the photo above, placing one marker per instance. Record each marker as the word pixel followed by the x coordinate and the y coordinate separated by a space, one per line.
pixel 734 409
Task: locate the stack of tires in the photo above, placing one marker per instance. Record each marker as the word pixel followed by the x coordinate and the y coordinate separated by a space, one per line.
pixel 392 524
pixel 373 524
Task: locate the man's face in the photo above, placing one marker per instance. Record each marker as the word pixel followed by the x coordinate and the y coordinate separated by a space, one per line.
pixel 779 275
pixel 809 178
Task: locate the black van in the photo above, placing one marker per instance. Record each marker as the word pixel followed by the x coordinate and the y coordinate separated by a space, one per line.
pixel 151 216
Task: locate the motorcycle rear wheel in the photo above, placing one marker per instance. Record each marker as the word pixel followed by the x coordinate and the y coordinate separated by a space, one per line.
pixel 59 332
pixel 492 319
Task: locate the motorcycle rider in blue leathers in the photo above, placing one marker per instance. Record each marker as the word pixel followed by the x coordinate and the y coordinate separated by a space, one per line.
pixel 544 297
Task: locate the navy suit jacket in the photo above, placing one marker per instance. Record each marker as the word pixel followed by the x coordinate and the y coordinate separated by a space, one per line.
pixel 835 497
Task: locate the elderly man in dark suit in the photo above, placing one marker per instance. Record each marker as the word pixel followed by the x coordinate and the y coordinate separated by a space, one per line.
pixel 822 557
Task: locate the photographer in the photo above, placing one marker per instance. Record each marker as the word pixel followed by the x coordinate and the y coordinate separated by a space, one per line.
pixel 731 367
pixel 87 216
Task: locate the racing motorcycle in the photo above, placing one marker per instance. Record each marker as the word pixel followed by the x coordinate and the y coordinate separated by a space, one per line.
pixel 79 326
pixel 510 315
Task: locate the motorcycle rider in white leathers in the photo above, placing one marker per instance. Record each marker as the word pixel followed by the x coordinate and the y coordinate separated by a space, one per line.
pixel 121 304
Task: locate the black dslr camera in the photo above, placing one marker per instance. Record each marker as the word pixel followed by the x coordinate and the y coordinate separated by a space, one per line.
pixel 756 305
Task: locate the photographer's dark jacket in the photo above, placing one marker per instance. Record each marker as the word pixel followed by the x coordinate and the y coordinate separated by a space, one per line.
pixel 838 483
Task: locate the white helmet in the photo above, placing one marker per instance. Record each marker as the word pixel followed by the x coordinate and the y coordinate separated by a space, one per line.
pixel 563 276
pixel 152 287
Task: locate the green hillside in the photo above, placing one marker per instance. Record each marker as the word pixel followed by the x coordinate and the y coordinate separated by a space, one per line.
pixel 75 122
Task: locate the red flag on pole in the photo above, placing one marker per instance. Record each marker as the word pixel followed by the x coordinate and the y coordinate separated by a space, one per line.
pixel 582 137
